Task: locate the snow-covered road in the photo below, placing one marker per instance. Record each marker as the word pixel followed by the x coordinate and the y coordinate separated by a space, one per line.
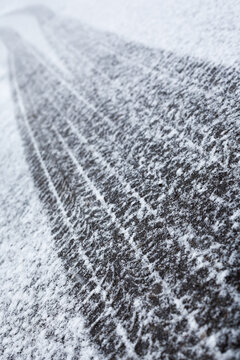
pixel 120 196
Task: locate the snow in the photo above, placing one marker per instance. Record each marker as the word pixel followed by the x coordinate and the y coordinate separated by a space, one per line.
pixel 41 315
pixel 31 277
pixel 206 29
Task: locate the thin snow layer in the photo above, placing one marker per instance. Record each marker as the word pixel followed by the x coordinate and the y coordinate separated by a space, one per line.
pixel 205 28
pixel 27 26
pixel 38 319
pixel 133 153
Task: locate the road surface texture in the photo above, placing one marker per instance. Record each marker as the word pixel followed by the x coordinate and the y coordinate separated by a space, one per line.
pixel 134 155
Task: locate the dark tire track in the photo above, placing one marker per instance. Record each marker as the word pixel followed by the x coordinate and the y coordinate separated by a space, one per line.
pixel 182 240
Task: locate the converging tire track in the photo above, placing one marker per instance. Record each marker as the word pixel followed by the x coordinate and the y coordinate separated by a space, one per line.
pixel 52 168
pixel 137 172
pixel 207 110
pixel 201 109
pixel 67 239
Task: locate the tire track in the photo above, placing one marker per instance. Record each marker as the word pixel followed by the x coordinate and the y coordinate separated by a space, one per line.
pixel 202 110
pixel 158 307
pixel 194 71
pixel 184 214
pixel 201 73
pixel 54 175
pixel 64 240
pixel 88 309
pixel 157 188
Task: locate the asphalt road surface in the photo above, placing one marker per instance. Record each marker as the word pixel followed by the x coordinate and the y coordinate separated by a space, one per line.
pixel 134 153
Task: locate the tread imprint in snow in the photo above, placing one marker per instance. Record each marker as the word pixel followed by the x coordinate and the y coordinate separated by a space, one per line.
pixel 134 154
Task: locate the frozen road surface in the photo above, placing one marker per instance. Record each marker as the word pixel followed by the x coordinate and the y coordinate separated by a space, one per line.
pixel 119 220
